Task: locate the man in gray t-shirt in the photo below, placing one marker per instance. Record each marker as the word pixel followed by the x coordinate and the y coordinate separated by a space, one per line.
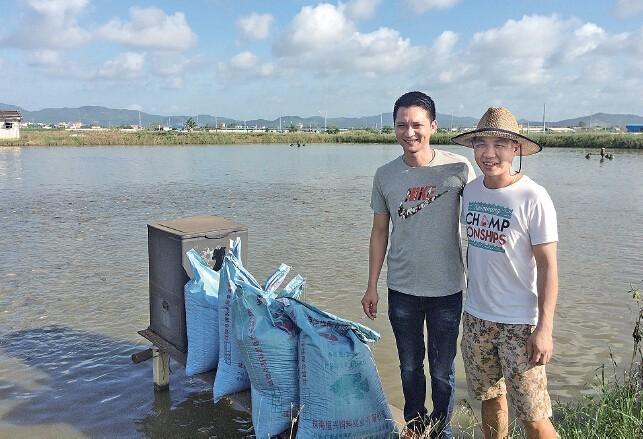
pixel 419 194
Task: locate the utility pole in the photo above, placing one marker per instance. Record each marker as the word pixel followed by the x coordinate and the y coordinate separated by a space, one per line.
pixel 325 115
pixel 544 110
pixel 381 122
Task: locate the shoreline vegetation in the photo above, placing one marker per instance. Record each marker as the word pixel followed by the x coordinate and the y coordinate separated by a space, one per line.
pixel 115 137
pixel 612 409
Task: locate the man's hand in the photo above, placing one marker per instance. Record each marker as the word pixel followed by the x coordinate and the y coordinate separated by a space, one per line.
pixel 540 346
pixel 369 303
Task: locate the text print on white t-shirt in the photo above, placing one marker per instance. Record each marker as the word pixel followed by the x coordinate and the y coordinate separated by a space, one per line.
pixel 486 224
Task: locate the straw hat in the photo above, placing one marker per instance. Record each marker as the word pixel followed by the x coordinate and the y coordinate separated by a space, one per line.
pixel 498 122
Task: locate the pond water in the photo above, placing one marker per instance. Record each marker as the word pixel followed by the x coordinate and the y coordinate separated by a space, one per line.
pixel 74 287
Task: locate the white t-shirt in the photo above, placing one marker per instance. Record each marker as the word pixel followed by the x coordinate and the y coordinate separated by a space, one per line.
pixel 501 227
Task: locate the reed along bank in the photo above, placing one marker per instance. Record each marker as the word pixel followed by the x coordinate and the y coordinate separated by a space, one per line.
pixel 30 137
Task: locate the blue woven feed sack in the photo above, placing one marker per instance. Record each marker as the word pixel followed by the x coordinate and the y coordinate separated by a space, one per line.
pixel 267 340
pixel 201 295
pixel 340 392
pixel 275 280
pixel 231 376
pixel 294 288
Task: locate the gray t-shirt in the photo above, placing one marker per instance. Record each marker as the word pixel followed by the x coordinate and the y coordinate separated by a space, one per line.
pixel 424 254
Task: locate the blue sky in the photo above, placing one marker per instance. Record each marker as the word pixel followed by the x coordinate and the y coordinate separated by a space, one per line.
pixel 250 59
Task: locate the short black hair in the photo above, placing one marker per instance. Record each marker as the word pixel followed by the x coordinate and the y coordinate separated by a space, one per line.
pixel 415 99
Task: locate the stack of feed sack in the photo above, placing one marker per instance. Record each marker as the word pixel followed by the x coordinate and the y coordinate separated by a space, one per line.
pixel 340 392
pixel 201 295
pixel 267 340
pixel 231 376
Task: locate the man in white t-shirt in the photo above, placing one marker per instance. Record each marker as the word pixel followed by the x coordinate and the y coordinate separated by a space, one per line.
pixel 512 288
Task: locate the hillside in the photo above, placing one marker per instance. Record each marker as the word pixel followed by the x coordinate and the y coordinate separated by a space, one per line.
pixel 602 120
pixel 109 117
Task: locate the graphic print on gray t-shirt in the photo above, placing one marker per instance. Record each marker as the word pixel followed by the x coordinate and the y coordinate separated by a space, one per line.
pixel 419 197
pixel 423 203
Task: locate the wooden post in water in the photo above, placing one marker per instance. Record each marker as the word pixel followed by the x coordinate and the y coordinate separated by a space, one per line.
pixel 160 369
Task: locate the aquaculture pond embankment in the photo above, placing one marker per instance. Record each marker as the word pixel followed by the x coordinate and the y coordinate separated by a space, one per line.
pixel 297 138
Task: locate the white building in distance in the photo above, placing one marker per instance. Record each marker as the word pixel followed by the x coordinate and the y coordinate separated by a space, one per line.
pixel 10 124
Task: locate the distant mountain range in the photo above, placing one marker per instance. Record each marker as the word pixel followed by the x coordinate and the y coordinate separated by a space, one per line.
pixel 109 117
pixel 603 120
pixel 94 115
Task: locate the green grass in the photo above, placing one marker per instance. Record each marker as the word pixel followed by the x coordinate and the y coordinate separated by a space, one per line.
pixel 615 410
pixel 116 137
pixel 38 137
pixel 589 140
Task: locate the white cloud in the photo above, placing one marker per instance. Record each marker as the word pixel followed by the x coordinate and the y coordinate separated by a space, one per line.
pixel 361 9
pixel 444 44
pixel 628 8
pixel 58 8
pixel 525 62
pixel 422 6
pixel 539 50
pixel 175 64
pixel 173 83
pixel 255 26
pixel 128 65
pixel 135 107
pixel 519 50
pixel 45 58
pixel 636 42
pixel 316 27
pixel 150 28
pixel 49 24
pixel 584 40
pixel 441 58
pixel 244 60
pixel 324 39
pixel 530 36
pixel 383 50
pixel 245 64
pixel 54 64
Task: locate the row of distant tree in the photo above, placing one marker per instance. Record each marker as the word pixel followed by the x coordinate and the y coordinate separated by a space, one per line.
pixel 191 124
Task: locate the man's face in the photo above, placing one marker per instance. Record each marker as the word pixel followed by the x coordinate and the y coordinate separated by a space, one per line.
pixel 494 155
pixel 413 128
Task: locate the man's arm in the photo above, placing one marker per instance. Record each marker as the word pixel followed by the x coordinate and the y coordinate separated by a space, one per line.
pixel 540 345
pixel 376 254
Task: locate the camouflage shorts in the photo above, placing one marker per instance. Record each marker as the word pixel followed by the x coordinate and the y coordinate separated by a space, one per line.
pixel 496 363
